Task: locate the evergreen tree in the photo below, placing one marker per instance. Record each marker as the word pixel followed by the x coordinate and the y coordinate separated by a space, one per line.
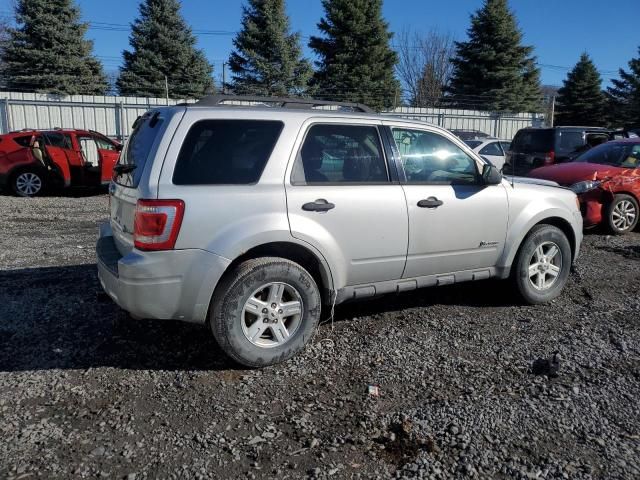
pixel 492 69
pixel 47 51
pixel 268 58
pixel 580 100
pixel 356 61
pixel 163 47
pixel 624 96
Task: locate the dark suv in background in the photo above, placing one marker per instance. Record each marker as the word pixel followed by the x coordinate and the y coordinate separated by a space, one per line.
pixel 536 147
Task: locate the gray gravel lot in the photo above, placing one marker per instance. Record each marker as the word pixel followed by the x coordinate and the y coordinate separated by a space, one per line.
pixel 84 396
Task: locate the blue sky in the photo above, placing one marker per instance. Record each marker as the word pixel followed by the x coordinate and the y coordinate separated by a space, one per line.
pixel 559 29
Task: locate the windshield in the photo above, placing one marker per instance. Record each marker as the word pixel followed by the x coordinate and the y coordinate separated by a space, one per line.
pixel 626 155
pixel 136 151
pixel 533 141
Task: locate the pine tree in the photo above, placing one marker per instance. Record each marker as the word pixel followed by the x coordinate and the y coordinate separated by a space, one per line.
pixel 492 69
pixel 47 52
pixel 624 96
pixel 580 100
pixel 163 47
pixel 356 61
pixel 268 58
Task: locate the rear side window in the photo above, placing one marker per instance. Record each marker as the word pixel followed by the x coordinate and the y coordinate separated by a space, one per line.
pixel 56 139
pixel 533 141
pixel 138 147
pixel 569 142
pixel 226 152
pixel 340 154
pixel 493 149
pixel 23 141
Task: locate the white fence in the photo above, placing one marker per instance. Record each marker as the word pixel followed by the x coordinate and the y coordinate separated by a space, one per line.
pixel 499 125
pixel 113 116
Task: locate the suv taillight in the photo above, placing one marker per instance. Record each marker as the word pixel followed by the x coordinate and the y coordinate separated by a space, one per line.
pixel 157 223
pixel 550 158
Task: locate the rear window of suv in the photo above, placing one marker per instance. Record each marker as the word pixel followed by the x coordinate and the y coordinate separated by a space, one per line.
pixel 138 148
pixel 533 141
pixel 226 152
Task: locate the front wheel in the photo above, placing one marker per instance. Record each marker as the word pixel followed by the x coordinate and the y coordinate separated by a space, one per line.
pixel 265 311
pixel 543 264
pixel 28 183
pixel 622 214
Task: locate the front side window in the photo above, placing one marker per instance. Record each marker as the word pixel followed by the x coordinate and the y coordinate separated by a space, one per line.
pixel 89 151
pixel 428 157
pixel 226 152
pixel 340 154
pixel 103 143
pixel 493 149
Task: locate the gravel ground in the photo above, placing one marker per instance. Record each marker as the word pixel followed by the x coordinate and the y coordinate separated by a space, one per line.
pixel 84 396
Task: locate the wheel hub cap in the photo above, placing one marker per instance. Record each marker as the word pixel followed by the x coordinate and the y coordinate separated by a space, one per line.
pixel 28 183
pixel 545 266
pixel 623 215
pixel 272 314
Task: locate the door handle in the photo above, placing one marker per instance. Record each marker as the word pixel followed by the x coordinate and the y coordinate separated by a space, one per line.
pixel 431 202
pixel 320 205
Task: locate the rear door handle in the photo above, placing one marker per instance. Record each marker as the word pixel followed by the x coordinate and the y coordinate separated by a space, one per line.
pixel 431 202
pixel 320 205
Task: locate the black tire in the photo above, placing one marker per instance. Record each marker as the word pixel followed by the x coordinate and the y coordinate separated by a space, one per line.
pixel 621 203
pixel 226 316
pixel 545 236
pixel 28 182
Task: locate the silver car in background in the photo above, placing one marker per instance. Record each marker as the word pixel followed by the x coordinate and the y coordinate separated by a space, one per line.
pixel 252 220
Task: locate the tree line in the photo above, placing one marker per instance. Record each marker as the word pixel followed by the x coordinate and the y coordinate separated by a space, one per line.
pixel 358 59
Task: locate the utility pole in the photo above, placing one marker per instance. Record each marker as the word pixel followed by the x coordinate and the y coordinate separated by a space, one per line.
pixel 553 109
pixel 224 78
pixel 166 88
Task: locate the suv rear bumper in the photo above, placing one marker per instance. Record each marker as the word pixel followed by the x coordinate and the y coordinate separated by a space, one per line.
pixel 174 284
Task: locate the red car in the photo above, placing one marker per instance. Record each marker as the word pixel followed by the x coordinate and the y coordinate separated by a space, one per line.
pixel 31 160
pixel 607 181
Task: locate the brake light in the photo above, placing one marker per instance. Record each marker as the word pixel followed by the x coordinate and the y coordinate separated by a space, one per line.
pixel 550 158
pixel 157 224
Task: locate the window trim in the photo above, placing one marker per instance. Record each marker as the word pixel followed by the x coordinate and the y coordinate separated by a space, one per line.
pixel 391 179
pixel 202 120
pixel 465 148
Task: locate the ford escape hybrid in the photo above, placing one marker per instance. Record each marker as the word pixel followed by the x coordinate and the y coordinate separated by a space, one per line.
pixel 252 219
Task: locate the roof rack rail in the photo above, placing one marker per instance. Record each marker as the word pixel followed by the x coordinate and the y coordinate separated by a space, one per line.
pixel 283 102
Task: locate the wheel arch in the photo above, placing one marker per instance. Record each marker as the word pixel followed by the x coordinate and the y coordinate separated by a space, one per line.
pixel 304 256
pixel 557 221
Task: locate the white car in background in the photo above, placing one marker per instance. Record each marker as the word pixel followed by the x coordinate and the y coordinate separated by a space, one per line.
pixel 492 149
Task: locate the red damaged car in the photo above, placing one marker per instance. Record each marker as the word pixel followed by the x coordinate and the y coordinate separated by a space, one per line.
pixel 31 160
pixel 607 181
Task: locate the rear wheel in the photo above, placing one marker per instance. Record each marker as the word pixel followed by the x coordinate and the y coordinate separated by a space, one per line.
pixel 622 214
pixel 28 183
pixel 265 311
pixel 543 264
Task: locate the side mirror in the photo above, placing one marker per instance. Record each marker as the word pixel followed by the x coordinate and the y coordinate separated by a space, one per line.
pixel 491 175
pixel 119 147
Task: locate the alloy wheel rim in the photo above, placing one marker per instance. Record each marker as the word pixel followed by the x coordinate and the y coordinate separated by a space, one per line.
pixel 28 183
pixel 623 215
pixel 545 266
pixel 272 315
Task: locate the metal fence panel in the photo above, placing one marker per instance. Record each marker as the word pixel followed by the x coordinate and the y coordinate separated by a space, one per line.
pixel 113 115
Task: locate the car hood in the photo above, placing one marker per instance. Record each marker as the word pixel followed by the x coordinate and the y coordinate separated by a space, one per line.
pixel 574 172
pixel 531 181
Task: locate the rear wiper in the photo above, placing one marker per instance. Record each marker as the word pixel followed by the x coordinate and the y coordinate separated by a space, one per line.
pixel 124 168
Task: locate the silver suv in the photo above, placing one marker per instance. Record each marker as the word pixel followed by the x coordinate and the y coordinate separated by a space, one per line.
pixel 253 219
